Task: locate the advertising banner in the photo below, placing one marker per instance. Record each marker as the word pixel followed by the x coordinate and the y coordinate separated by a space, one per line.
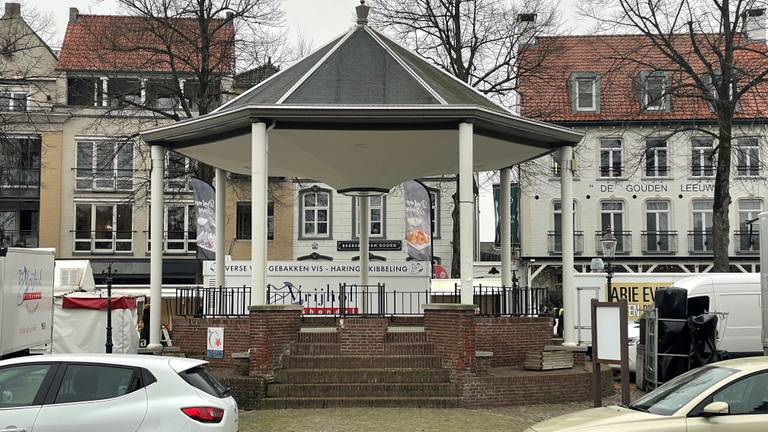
pixel 215 343
pixel 205 208
pixel 418 221
pixel 514 203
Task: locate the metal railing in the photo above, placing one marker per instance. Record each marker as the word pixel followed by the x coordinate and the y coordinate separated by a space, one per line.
pixel 212 302
pixel 659 242
pixel 747 243
pixel 700 242
pixel 19 238
pixel 103 242
pixel 555 242
pixel 19 178
pixel 176 242
pixel 108 180
pixel 623 242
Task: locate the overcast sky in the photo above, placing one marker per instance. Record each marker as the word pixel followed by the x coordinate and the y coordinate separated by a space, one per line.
pixel 317 20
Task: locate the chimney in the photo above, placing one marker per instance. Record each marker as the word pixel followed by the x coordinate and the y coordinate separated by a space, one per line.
pixel 527 24
pixel 362 13
pixel 74 15
pixel 12 10
pixel 754 25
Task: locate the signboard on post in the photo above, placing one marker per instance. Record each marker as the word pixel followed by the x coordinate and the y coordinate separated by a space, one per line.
pixel 610 344
pixel 215 343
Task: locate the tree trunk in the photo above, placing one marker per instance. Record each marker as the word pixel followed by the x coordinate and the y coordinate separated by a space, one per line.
pixel 720 221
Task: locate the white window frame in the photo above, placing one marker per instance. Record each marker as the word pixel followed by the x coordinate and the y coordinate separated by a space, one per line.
pixel 184 183
pixel 593 82
pixel 654 151
pixel 189 242
pixel 700 146
pixel 752 167
pixel 703 214
pixel 16 94
pixel 382 207
pixel 93 179
pixel 613 171
pixel 434 197
pixel 612 214
pixel 662 101
pixel 303 234
pixel 92 241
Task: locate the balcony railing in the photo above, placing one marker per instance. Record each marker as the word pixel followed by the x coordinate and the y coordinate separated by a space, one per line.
pixel 103 242
pixel 18 238
pixel 555 242
pixel 700 242
pixel 623 242
pixel 659 242
pixel 611 172
pixel 747 243
pixel 104 181
pixel 176 242
pixel 19 178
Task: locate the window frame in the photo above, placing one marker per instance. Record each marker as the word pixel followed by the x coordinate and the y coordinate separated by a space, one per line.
pixel 435 217
pixel 315 189
pixel 139 374
pixel 240 231
pixel 655 172
pixel 189 240
pixel 663 100
pixel 356 218
pixel 92 240
pixel 94 168
pixel 184 181
pixel 45 386
pixel 754 170
pixel 13 98
pixel 698 144
pixel 575 79
pixel 611 151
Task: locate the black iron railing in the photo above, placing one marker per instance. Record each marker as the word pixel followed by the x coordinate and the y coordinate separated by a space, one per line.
pixel 103 241
pixel 555 242
pixel 19 178
pixel 623 242
pixel 747 242
pixel 700 242
pixel 659 242
pixel 212 302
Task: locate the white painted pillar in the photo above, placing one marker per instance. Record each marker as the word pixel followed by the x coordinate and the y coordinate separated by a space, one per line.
pixel 365 234
pixel 259 199
pixel 566 232
pixel 157 183
pixel 505 231
pixel 763 231
pixel 221 205
pixel 466 211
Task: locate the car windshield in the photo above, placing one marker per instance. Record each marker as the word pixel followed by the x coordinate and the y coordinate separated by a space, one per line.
pixel 675 394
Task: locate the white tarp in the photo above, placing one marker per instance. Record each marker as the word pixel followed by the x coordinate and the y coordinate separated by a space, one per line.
pixel 79 330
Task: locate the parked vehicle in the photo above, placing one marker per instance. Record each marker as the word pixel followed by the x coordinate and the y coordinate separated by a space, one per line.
pixel 115 393
pixel 26 303
pixel 736 297
pixel 726 396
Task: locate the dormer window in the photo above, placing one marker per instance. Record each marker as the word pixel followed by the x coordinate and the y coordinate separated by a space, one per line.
pixel 585 92
pixel 654 91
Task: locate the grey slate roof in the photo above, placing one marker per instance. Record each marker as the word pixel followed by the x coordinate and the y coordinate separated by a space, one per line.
pixel 362 67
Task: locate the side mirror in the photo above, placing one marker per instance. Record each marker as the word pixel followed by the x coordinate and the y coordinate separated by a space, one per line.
pixel 716 409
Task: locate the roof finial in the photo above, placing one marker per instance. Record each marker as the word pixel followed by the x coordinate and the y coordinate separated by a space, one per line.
pixel 362 13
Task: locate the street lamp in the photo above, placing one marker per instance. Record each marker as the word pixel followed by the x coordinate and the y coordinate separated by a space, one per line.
pixel 109 278
pixel 608 243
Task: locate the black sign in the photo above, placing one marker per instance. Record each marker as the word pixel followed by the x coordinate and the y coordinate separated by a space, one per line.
pixel 374 245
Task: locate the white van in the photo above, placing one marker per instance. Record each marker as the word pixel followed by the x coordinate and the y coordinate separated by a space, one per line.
pixel 737 297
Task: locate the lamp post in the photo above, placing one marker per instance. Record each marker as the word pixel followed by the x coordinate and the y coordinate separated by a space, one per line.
pixel 109 274
pixel 608 244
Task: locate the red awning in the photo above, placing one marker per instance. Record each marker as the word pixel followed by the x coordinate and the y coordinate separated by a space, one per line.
pixel 99 303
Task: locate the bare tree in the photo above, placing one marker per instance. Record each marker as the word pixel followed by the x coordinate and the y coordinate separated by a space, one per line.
pixel 712 54
pixel 477 41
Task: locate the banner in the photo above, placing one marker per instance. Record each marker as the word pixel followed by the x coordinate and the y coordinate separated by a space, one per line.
pixel 514 203
pixel 205 208
pixel 418 221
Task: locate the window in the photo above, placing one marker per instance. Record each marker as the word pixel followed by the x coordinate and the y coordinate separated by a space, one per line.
pixel 200 379
pixel 434 197
pixel 701 236
pixel 555 167
pixel 243 222
pixel 13 100
pixel 585 94
pixel 612 220
pixel 315 213
pixel 20 162
pixel 376 209
pixel 657 235
pixel 104 165
pixel 610 158
pixel 654 89
pixel 124 92
pixel 163 94
pixel 749 233
pixel 104 228
pixel 19 228
pixel 748 157
pixel 702 164
pixel 95 382
pixel 555 236
pixel 178 172
pixel 656 158
pixel 20 385
pixel 746 396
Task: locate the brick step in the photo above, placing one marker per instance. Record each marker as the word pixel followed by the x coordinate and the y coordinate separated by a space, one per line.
pixel 363 390
pixel 327 338
pixel 341 376
pixel 406 337
pixel 409 348
pixel 351 402
pixel 314 349
pixel 364 362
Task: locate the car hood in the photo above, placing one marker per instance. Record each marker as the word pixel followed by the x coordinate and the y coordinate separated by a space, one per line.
pixel 588 420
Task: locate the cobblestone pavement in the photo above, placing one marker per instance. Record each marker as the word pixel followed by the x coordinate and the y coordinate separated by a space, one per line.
pixel 506 419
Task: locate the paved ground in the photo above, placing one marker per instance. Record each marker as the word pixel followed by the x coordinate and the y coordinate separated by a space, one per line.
pixel 506 419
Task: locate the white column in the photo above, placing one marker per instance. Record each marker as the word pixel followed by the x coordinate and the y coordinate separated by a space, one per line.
pixel 763 227
pixel 365 231
pixel 221 204
pixel 505 218
pixel 259 181
pixel 566 233
pixel 466 211
pixel 157 183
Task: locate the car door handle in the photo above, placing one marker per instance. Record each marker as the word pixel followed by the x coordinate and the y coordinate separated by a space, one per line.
pixel 13 429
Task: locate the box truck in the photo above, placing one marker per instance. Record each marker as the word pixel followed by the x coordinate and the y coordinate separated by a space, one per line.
pixel 26 303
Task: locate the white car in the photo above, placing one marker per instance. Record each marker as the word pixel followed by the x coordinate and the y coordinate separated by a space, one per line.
pixel 112 393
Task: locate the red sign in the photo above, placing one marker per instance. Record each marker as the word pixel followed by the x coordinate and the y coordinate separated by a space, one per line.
pixel 328 311
pixel 32 296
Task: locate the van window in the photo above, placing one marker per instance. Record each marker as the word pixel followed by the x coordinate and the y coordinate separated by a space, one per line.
pixel 698 305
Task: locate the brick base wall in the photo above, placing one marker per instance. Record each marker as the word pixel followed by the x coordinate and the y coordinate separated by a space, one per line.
pixel 249 392
pixel 363 336
pixel 532 388
pixel 451 328
pixel 189 334
pixel 273 328
pixel 509 338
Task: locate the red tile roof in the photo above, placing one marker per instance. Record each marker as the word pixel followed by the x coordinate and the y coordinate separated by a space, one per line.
pixel 618 60
pixel 109 43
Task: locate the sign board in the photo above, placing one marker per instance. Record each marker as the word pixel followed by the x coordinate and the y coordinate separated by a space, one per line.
pixel 373 245
pixel 610 344
pixel 608 333
pixel 215 343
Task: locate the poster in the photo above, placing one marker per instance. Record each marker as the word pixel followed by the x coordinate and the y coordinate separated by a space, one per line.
pixel 418 221
pixel 205 208
pixel 215 343
pixel 640 295
pixel 514 203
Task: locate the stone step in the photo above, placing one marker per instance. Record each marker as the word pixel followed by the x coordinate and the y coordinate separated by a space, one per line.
pixel 409 348
pixel 341 376
pixel 363 390
pixel 313 349
pixel 323 337
pixel 360 402
pixel 406 337
pixel 364 362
